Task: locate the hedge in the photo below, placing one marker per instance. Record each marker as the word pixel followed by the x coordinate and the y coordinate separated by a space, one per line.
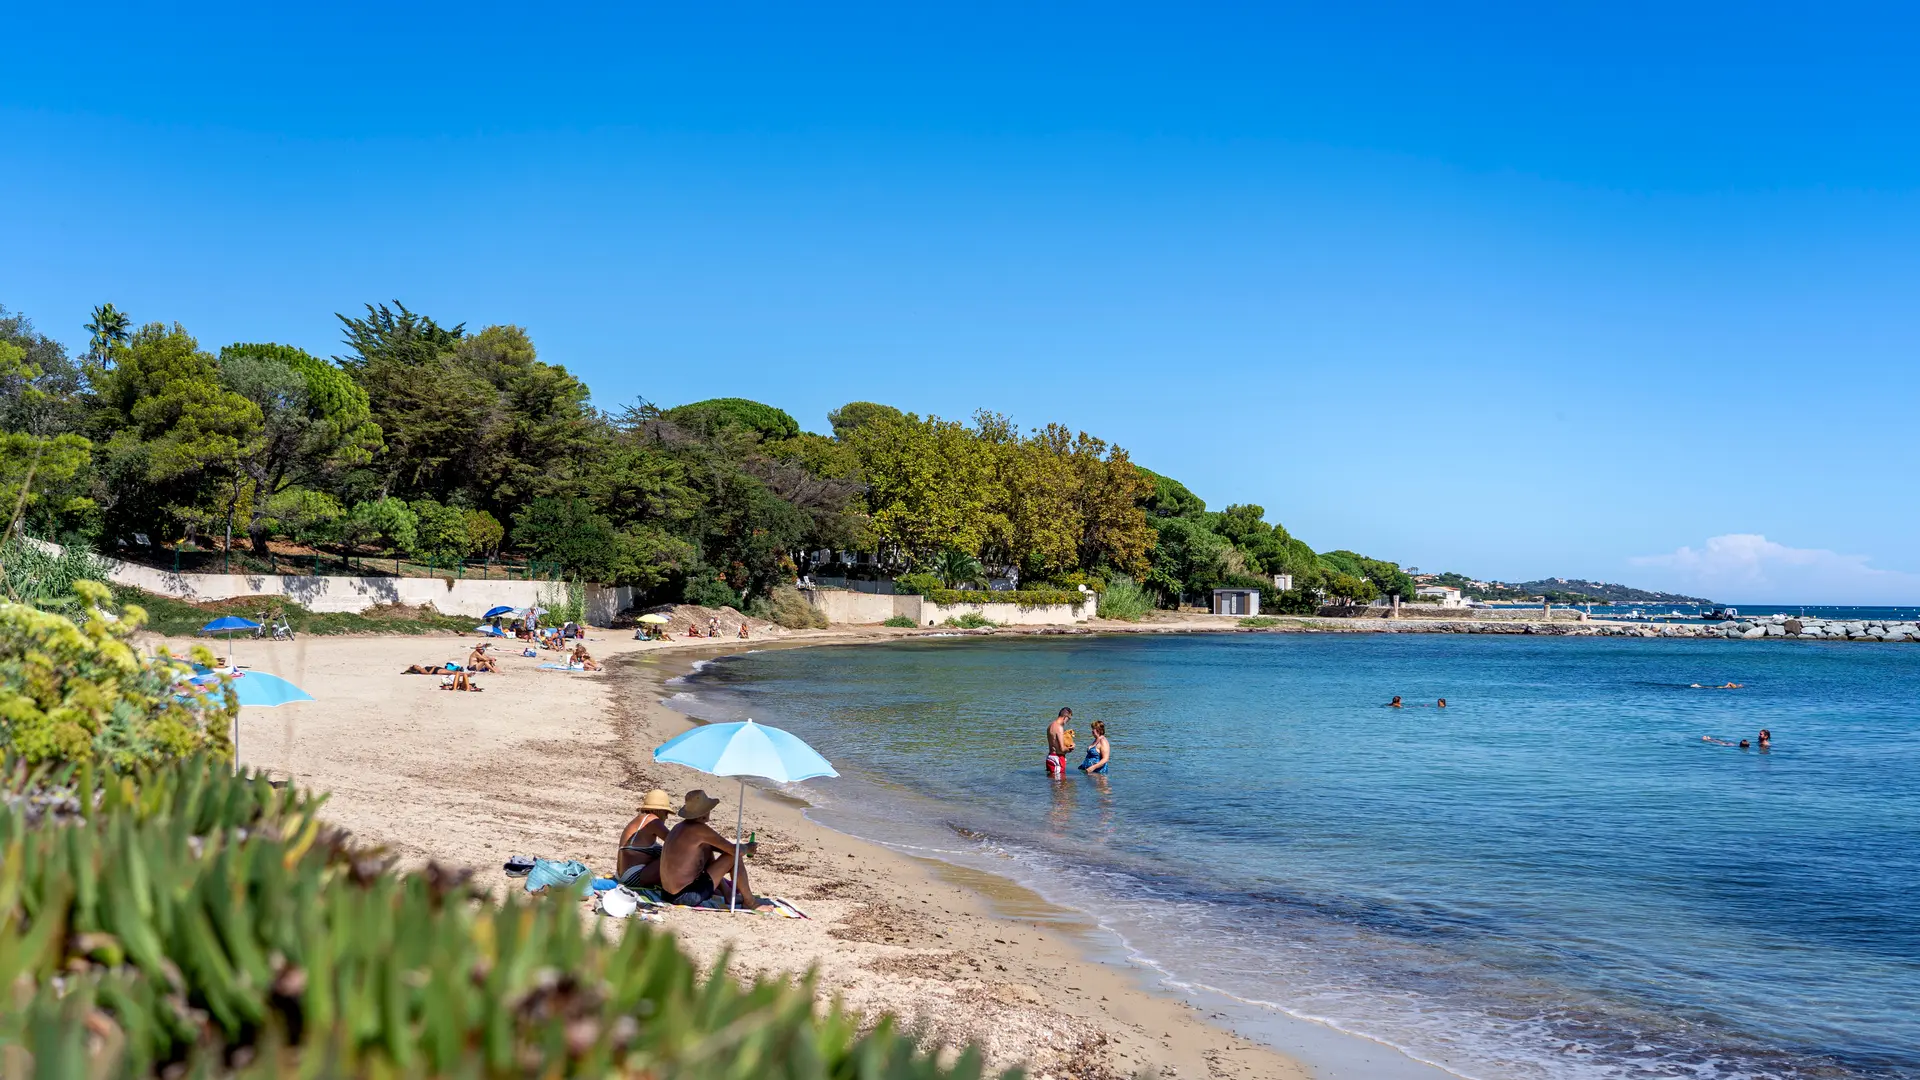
pixel 1026 598
pixel 187 922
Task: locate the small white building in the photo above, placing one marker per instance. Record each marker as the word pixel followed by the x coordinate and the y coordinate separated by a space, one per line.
pixel 1236 601
pixel 1283 582
pixel 1445 595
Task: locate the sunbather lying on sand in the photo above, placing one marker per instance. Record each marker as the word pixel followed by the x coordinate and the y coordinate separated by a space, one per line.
pixel 637 861
pixel 425 669
pixel 696 863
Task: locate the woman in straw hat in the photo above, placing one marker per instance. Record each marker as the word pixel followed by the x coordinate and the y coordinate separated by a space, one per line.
pixel 643 839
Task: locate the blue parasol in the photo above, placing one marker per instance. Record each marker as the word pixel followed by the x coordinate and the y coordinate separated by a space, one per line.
pixel 227 624
pixel 745 749
pixel 496 612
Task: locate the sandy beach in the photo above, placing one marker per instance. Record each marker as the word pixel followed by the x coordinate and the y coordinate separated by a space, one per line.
pixel 552 764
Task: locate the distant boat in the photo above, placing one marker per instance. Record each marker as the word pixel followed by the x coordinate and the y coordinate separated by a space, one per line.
pixel 1720 613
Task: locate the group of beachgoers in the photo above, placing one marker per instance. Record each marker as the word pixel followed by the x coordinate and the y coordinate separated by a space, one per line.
pixel 659 632
pixel 482 660
pixel 1060 744
pixel 689 863
pixel 1396 703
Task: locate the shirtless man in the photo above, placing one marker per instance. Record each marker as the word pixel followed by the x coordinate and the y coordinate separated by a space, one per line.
pixel 1057 744
pixel 642 841
pixel 697 862
pixel 478 660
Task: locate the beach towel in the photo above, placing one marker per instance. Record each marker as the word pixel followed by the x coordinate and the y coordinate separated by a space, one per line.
pixel 547 872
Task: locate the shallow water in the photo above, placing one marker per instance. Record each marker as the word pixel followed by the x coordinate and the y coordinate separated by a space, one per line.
pixel 1553 877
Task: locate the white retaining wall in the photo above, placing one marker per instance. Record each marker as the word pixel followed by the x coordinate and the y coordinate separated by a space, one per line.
pixel 859 607
pixel 457 596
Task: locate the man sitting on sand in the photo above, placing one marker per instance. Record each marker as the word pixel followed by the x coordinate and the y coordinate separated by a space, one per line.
pixel 637 860
pixel 478 660
pixel 696 863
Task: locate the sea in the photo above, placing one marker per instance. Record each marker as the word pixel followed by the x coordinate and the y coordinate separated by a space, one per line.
pixel 1553 876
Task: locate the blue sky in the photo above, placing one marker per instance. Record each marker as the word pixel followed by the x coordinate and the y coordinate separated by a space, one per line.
pixel 1607 293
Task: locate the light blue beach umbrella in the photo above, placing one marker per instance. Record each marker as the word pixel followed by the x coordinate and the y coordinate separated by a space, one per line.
pixel 257 688
pixel 745 749
pixel 266 691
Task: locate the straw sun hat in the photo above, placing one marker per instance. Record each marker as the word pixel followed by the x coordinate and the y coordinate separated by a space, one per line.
pixel 699 805
pixel 657 801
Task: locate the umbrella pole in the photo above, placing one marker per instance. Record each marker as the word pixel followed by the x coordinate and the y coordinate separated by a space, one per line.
pixel 739 822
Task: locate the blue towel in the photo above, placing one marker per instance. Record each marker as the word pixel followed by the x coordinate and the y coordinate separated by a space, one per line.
pixel 547 872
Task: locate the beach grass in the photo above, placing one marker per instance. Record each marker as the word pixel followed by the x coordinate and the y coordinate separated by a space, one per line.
pixel 172 617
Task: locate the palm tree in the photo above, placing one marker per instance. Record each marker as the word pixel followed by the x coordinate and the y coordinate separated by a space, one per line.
pixel 109 328
pixel 957 568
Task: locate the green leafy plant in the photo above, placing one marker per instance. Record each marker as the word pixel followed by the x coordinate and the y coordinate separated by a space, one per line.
pixel 1258 622
pixel 77 691
pixel 1125 600
pixel 900 622
pixel 970 620
pixel 43 575
pixel 919 584
pixel 957 569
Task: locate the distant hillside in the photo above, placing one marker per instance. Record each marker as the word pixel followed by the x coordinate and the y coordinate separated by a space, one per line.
pixel 1556 590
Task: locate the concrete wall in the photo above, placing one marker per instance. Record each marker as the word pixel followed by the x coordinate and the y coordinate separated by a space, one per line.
pixel 861 607
pixel 857 607
pixel 1009 614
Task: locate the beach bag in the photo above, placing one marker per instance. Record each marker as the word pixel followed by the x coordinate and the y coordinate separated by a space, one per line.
pixel 547 872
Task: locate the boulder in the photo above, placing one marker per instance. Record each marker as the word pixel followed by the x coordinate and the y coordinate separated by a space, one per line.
pixel 1754 632
pixel 1794 626
pixel 1776 630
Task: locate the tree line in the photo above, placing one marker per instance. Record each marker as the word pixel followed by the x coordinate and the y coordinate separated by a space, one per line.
pixel 442 444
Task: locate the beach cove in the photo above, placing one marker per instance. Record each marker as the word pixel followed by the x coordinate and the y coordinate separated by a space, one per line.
pixel 959 940
pixel 552 764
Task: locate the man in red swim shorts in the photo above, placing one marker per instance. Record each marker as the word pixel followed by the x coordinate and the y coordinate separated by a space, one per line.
pixel 1059 743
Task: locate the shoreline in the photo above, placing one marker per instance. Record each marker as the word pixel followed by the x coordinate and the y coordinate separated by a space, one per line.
pixel 552 764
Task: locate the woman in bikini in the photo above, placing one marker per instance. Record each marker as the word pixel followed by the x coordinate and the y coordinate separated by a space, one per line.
pixel 637 861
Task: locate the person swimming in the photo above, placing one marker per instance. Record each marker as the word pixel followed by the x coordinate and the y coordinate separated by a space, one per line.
pixel 1395 703
pixel 1441 704
pixel 1766 739
pixel 1714 741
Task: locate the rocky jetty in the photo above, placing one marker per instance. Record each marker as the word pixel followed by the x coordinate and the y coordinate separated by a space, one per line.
pixel 1774 626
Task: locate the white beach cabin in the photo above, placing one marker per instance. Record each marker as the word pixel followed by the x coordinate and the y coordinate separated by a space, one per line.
pixel 1236 601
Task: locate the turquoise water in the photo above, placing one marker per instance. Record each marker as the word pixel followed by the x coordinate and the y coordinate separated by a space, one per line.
pixel 1553 877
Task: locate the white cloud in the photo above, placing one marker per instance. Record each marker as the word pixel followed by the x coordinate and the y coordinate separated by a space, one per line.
pixel 1751 568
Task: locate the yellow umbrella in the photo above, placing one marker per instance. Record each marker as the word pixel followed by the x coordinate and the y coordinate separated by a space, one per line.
pixel 653 618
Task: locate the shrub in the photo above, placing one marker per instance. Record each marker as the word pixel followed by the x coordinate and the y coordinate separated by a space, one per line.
pixel 710 591
pixel 195 923
pixel 918 584
pixel 970 620
pixel 79 692
pixel 790 609
pixel 439 533
pixel 900 621
pixel 1257 622
pixel 43 576
pixel 1124 600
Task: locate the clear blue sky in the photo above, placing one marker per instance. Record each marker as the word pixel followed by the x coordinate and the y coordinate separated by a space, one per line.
pixel 1490 288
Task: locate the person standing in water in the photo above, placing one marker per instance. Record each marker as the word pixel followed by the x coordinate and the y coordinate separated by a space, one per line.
pixel 1059 743
pixel 1099 753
